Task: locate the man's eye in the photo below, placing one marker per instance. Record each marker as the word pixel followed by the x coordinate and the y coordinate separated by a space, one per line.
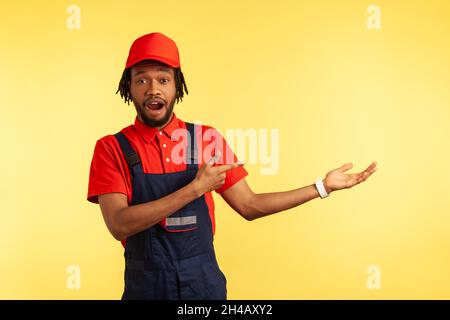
pixel 164 80
pixel 140 81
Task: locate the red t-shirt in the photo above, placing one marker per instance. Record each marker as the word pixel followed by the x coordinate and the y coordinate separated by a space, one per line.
pixel 109 170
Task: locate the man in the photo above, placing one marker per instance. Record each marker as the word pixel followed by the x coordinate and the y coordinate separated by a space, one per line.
pixel 154 184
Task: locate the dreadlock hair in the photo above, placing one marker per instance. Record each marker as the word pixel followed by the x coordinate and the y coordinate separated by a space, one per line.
pixel 125 81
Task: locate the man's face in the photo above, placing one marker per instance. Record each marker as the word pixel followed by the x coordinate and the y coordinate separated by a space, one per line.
pixel 153 92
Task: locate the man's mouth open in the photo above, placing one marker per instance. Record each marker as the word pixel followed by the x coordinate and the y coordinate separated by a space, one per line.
pixel 155 108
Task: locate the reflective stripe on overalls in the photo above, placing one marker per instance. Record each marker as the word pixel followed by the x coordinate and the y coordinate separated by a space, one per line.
pixel 174 259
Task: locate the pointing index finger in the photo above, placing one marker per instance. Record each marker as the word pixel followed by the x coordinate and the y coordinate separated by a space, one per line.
pixel 226 167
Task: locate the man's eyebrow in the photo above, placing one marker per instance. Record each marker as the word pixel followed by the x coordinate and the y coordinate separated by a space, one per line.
pixel 163 69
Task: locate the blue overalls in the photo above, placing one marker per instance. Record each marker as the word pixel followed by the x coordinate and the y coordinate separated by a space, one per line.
pixel 174 259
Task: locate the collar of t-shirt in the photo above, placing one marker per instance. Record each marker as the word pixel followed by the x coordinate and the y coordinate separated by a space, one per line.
pixel 148 133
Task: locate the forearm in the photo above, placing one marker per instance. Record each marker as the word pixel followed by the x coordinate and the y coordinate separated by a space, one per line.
pixel 136 218
pixel 264 204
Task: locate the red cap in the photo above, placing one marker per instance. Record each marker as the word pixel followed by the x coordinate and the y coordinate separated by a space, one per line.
pixel 154 46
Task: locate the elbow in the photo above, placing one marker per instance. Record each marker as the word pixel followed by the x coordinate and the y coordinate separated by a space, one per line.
pixel 245 213
pixel 118 233
pixel 119 228
pixel 250 210
pixel 119 236
pixel 249 217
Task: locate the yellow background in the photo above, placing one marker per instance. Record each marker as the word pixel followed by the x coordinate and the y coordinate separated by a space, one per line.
pixel 337 91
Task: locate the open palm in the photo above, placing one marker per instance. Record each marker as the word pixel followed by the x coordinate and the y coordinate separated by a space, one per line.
pixel 336 179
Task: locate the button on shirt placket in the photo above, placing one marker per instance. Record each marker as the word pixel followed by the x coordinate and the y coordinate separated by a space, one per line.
pixel 164 151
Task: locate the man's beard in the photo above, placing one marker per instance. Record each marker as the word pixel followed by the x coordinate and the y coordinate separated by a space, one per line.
pixel 140 109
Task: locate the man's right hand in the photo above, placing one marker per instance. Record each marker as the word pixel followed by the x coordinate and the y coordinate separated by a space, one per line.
pixel 210 177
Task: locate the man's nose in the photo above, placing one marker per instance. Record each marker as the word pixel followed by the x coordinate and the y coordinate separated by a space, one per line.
pixel 153 88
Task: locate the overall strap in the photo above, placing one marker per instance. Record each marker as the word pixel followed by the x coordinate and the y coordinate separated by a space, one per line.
pixel 192 156
pixel 132 158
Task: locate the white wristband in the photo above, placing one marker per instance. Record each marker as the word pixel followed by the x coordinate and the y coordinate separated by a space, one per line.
pixel 321 188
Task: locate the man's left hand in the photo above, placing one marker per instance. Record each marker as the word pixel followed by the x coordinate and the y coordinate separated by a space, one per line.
pixel 336 179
